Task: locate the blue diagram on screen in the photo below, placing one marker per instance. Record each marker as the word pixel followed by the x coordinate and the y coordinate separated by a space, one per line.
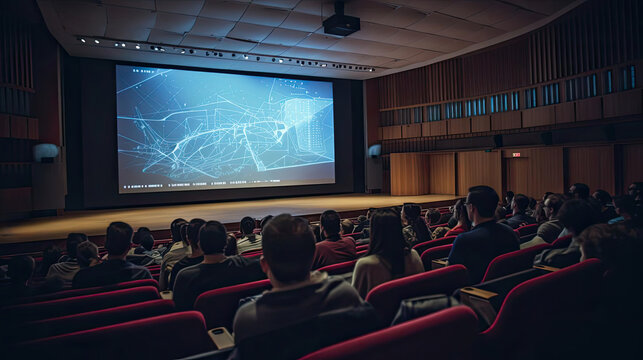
pixel 191 126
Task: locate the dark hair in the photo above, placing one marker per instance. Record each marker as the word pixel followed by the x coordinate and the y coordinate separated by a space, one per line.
pixel 547 193
pixel 247 225
pixel 288 248
pixel 603 197
pixel 485 199
pixel 175 229
pixel 510 195
pixel 460 213
pixel 387 240
pixel 625 204
pixel 50 256
pixel 362 219
pixel 316 231
pixel 347 226
pixel 433 216
pixel 192 231
pixel 329 220
pixel 264 221
pixel 118 238
pixel 213 237
pixel 576 215
pixel 412 216
pixel 73 239
pixel 582 190
pixel 555 202
pixel 21 268
pixel 137 239
pixel 521 203
pixel 231 246
pixel 147 241
pixel 87 251
pixel 616 245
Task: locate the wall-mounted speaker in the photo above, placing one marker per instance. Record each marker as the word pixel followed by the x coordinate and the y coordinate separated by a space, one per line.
pixel 497 140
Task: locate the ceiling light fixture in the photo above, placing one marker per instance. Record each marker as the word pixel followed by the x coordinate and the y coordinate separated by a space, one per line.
pixel 82 40
pixel 245 57
pixel 182 51
pixel 138 47
pixel 281 61
pixel 96 41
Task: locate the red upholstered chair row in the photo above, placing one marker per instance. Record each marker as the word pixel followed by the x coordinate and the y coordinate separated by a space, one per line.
pixel 527 230
pixel 447 334
pixel 435 253
pixel 361 247
pixel 423 246
pixel 562 242
pixel 138 339
pixel 433 227
pixel 75 305
pixel 513 262
pixel 386 297
pixel 218 306
pixel 340 268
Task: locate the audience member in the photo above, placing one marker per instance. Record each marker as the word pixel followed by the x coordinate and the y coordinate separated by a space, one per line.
pixel 264 221
pixel 346 227
pixel 500 215
pixel 634 190
pixel 334 248
pixel 137 239
pixel 87 254
pixel 118 240
pixel 249 240
pixel 50 256
pixel 460 213
pixel 415 230
pixel 65 271
pixel 316 230
pixel 20 270
pixel 196 254
pixel 389 255
pixel 487 239
pixel 579 191
pixel 576 215
pixel 217 270
pixel 362 223
pixel 231 246
pixel 508 199
pixel 432 217
pixel 548 231
pixel 605 201
pixel 146 248
pixel 519 205
pixel 179 249
pixel 625 208
pixel 539 213
pixel 297 293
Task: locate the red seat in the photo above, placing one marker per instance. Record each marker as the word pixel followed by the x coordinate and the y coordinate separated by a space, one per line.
pixel 562 242
pixel 423 246
pixel 71 323
pixel 386 297
pixel 361 247
pixel 361 253
pixel 544 314
pixel 435 253
pixel 527 230
pixel 433 227
pixel 447 334
pixel 218 306
pixel 513 262
pixel 138 339
pixel 340 268
pixel 79 304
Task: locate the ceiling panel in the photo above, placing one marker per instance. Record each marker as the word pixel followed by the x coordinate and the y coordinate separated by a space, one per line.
pixel 302 22
pixel 518 20
pixel 140 4
pixel 82 18
pixel 165 37
pixel 494 14
pixel 262 15
pixel 250 32
pixel 318 41
pixel 466 8
pixel 267 49
pixel 285 37
pixel 212 27
pixel 226 10
pixel 284 4
pixel 185 7
pixel 433 23
pixel 174 22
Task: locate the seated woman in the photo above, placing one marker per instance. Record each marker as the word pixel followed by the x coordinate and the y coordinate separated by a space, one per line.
pixel 388 257
pixel 415 229
pixel 460 213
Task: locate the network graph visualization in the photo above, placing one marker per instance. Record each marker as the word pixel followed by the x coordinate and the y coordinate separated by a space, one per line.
pixel 185 130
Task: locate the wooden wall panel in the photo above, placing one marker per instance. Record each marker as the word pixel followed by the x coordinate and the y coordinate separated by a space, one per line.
pixel 622 103
pixel 392 132
pixel 412 130
pixel 5 125
pixel 478 168
pixel 545 171
pixel 442 173
pixel 589 109
pixel 592 165
pixel 516 175
pixel 506 120
pixel 32 125
pixel 458 126
pixel 438 128
pixel 19 127
pixel 565 112
pixel 426 129
pixel 539 116
pixel 409 174
pixel 15 200
pixel 481 123
pixel 632 160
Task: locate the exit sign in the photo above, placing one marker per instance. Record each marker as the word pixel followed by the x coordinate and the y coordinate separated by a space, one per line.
pixel 516 154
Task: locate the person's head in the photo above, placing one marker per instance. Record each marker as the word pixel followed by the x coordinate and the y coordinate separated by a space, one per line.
pixel 460 213
pixel 500 214
pixel 329 224
pixel 576 215
pixel 175 229
pixel 118 239
pixel 247 225
pixel 370 212
pixel 362 219
pixel 635 189
pixel 264 221
pixel 481 204
pixel 193 232
pixel 346 227
pixel 316 230
pixel 552 204
pixel 213 238
pixel 519 204
pixel 87 254
pixel 73 239
pixel 412 216
pixel 547 195
pixel 579 191
pixel 410 212
pixel 288 249
pixel 625 206
pixel 147 241
pixel 20 269
pixel 137 239
pixel 539 213
pixel 387 240
pixel 509 197
pixel 231 246
pixel 616 245
pixel 603 197
pixel 433 216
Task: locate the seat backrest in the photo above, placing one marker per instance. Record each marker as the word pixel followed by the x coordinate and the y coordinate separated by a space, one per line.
pixel 434 253
pixel 79 304
pixel 87 291
pixel 71 323
pixel 423 246
pixel 433 227
pixel 447 334
pixel 339 268
pixel 386 297
pixel 513 262
pixel 144 338
pixel 562 242
pixel 527 230
pixel 361 247
pixel 218 306
pixel 543 310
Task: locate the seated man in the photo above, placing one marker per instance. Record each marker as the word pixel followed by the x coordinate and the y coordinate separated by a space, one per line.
pixel 297 294
pixel 196 253
pixel 250 241
pixel 519 205
pixel 347 227
pixel 118 241
pixel 66 270
pixel 333 248
pixel 216 270
pixel 548 231
pixel 179 249
pixel 487 239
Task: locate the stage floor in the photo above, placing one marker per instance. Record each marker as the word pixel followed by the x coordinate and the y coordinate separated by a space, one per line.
pixel 94 222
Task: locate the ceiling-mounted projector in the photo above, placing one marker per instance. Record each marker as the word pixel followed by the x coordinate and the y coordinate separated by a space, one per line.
pixel 340 24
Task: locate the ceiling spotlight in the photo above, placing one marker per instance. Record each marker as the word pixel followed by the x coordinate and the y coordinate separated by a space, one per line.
pixel 258 58
pixel 323 65
pixel 96 41
pixel 138 46
pixel 245 57
pixel 122 44
pixel 233 55
pixel 301 63
pixel 371 69
pixel 182 51
pixel 273 59
pixel 116 44
pixel 220 54
pixel 281 61
pixel 207 53
pixel 82 40
pixel 156 48
pixel 350 67
pixel 191 51
pixel 161 49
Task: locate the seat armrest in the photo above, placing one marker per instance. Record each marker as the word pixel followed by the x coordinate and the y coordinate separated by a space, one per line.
pixel 221 338
pixel 167 295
